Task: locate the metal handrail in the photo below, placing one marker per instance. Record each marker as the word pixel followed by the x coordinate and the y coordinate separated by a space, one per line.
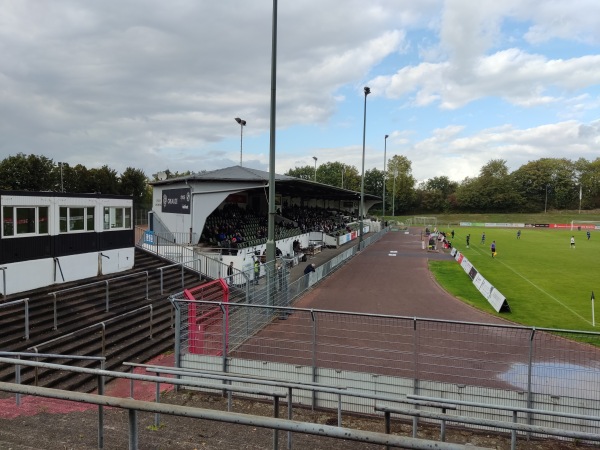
pixel 98 324
pixel 274 423
pixel 26 303
pixel 3 269
pixel 513 426
pixel 106 292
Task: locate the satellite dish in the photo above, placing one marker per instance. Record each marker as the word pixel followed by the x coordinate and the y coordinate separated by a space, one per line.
pixel 161 176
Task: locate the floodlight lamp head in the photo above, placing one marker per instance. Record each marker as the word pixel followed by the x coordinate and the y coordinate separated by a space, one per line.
pixel 315 158
pixel 240 121
pixel 367 90
pixel 387 136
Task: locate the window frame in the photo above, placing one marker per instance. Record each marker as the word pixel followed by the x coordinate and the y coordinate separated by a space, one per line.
pixel 68 220
pixel 37 216
pixel 116 218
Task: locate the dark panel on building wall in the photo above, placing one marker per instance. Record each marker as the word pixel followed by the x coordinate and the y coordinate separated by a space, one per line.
pixel 25 249
pixel 75 243
pixel 111 240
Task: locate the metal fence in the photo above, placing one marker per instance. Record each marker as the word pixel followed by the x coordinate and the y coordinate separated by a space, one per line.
pixel 550 369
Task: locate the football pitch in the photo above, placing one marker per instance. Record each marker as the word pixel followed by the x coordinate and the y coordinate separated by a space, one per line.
pixel 546 282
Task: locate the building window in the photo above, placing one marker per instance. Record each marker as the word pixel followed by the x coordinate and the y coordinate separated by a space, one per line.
pixel 43 220
pixel 117 218
pixel 90 219
pixel 19 220
pixel 9 225
pixel 76 219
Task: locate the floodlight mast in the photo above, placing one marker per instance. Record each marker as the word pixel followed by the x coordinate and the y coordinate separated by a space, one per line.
pixel 242 123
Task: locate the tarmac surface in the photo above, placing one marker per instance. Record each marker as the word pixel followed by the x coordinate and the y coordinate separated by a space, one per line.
pixel 389 277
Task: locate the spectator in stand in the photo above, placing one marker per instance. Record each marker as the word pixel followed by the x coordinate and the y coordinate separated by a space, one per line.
pixel 230 273
pixel 256 271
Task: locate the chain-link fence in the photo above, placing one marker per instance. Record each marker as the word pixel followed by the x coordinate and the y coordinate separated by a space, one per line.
pixel 397 356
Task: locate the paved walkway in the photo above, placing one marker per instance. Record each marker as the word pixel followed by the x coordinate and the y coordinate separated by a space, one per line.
pixel 376 282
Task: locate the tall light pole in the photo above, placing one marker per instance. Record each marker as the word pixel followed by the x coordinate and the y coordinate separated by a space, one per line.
pixel 580 196
pixel 242 125
pixel 394 194
pixel 315 158
pixel 546 201
pixel 343 170
pixel 62 188
pixel 272 129
pixel 362 178
pixel 384 173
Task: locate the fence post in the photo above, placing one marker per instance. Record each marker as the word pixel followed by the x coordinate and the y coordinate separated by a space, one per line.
pixel 224 335
pixel 133 430
pixel 529 376
pixel 101 409
pixel 161 281
pixel 416 375
pixel 177 361
pixel 18 381
pixel 103 338
pixel 182 274
pixel 151 319
pixel 107 297
pixel 314 356
pixel 55 312
pixel 26 301
pixel 147 288
pixel 3 269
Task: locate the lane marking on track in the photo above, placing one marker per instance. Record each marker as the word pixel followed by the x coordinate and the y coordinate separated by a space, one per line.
pixel 537 287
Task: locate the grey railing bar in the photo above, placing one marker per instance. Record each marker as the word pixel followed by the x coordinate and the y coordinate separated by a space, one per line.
pixel 53 355
pixel 390 316
pixel 25 301
pixel 106 290
pixel 141 377
pixel 236 418
pixel 3 269
pixel 492 423
pixel 83 286
pixel 98 324
pixel 506 408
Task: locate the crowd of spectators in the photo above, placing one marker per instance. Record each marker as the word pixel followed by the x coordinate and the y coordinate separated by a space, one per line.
pixel 232 227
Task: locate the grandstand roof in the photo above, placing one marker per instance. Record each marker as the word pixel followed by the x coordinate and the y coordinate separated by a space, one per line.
pixel 284 184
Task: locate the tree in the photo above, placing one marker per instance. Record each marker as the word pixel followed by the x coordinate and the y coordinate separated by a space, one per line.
pixel 435 194
pixel 27 173
pixel 105 180
pixel 331 173
pixel 404 195
pixel 374 182
pixel 548 183
pixel 492 191
pixel 134 182
pixel 304 173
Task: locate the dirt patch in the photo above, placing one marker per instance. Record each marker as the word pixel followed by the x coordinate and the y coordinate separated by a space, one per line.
pixel 78 430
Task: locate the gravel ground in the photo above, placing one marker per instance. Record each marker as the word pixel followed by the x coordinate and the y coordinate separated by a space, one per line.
pixel 78 430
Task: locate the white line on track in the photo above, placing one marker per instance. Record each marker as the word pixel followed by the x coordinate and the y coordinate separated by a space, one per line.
pixel 536 286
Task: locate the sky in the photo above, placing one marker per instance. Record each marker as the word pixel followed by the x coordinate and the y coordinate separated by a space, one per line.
pixel 157 85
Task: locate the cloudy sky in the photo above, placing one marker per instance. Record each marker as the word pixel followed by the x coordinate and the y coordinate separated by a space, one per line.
pixel 156 85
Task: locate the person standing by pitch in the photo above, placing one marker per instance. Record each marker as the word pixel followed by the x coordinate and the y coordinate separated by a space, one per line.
pixel 493 248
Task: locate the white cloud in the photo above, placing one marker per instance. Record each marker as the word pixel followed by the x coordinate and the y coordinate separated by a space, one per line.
pixel 154 85
pixel 463 156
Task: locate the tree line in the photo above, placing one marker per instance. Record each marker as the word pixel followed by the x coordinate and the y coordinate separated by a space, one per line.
pixel 540 185
pixel 37 173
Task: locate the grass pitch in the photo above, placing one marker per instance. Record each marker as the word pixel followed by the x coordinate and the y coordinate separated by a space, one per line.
pixel 545 281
